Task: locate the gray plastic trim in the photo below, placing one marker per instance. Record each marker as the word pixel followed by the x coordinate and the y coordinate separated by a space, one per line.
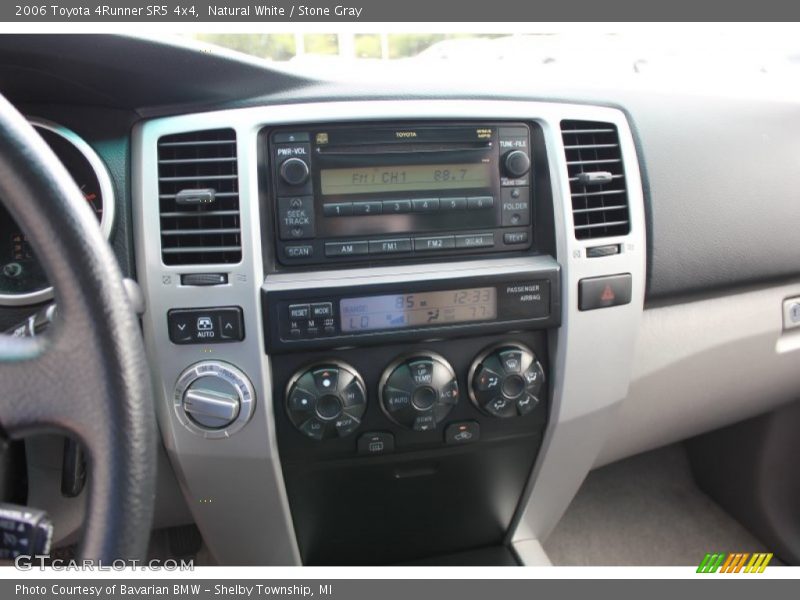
pixel 530 553
pixel 106 190
pixel 704 365
pixel 249 519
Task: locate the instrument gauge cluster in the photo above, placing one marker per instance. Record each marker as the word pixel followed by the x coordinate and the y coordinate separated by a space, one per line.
pixel 22 280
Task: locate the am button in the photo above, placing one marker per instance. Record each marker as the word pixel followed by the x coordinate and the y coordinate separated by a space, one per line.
pixel 346 248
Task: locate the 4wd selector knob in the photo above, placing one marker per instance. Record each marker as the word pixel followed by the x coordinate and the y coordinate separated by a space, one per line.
pixel 419 391
pixel 214 399
pixel 326 400
pixel 506 381
pixel 294 171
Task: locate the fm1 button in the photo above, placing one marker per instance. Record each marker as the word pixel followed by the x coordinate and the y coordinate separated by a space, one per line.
pixel 377 442
pixel 464 432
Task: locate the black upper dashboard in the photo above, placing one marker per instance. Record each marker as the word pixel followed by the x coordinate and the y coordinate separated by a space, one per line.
pixel 717 166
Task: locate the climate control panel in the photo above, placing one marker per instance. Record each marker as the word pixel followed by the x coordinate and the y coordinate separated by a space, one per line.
pixel 418 393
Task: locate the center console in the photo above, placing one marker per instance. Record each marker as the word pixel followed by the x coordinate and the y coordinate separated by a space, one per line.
pixel 409 405
pixel 385 338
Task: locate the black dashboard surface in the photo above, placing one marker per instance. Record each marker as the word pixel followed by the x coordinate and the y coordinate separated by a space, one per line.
pixel 719 166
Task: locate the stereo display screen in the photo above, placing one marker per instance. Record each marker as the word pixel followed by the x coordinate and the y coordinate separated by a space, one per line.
pixel 405 178
pixel 396 311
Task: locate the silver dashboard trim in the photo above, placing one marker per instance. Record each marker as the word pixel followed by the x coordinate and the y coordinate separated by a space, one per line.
pixel 106 190
pixel 591 351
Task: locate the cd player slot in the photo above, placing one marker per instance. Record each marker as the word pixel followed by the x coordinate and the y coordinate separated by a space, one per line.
pixel 372 151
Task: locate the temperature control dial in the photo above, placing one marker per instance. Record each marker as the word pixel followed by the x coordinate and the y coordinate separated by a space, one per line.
pixel 506 381
pixel 419 391
pixel 326 400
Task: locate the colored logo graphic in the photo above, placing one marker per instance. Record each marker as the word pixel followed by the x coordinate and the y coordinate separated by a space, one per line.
pixel 734 562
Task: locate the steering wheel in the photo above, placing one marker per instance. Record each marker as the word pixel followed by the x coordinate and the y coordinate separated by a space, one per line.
pixel 87 377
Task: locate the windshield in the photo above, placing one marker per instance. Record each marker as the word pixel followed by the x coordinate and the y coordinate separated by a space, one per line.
pixel 762 49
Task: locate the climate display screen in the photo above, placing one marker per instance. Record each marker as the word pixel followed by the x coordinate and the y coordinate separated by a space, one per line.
pixel 396 311
pixel 405 178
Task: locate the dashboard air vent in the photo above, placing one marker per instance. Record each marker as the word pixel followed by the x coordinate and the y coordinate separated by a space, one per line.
pixel 198 193
pixel 596 179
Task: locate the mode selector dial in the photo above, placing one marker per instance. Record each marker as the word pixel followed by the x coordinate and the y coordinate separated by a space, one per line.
pixel 213 399
pixel 326 400
pixel 506 381
pixel 516 163
pixel 294 171
pixel 419 391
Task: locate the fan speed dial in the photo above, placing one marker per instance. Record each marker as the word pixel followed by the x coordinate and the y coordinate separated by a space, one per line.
pixel 326 400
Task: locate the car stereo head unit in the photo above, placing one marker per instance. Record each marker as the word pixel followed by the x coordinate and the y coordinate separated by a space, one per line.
pixel 345 193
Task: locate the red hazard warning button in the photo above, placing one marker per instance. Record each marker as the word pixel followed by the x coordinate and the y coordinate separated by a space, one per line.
pixel 600 292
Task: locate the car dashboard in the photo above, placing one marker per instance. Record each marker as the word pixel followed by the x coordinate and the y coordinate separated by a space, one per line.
pixel 384 328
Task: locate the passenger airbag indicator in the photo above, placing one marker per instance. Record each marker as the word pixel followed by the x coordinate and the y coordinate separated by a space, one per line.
pixel 524 299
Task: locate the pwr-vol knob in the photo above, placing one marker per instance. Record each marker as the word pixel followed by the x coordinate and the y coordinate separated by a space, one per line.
pixel 326 400
pixel 294 171
pixel 506 381
pixel 419 391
